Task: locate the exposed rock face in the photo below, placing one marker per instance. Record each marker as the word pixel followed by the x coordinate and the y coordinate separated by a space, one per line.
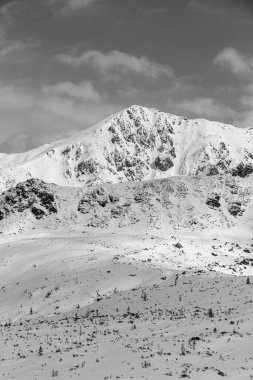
pixel 163 164
pixel 95 197
pixel 32 194
pixel 87 167
pixel 180 201
pixel 243 170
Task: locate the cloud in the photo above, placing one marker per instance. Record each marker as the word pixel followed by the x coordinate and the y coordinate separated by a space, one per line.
pixel 210 6
pixel 8 8
pixel 13 97
pixel 245 99
pixel 18 50
pixel 84 91
pixel 30 118
pixel 118 62
pixel 78 4
pixel 68 6
pixel 205 107
pixel 235 61
pixel 11 50
pixel 241 10
pixel 241 66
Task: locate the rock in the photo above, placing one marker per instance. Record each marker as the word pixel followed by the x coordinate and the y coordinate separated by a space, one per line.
pixel 87 167
pixel 32 194
pixel 212 170
pixel 214 202
pixel 138 198
pixel 84 207
pixel 242 170
pixel 163 164
pixel 113 199
pixel 37 212
pixel 235 209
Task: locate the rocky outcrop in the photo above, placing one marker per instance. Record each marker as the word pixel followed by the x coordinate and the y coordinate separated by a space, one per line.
pixel 163 164
pixel 242 170
pixel 236 209
pixel 97 197
pixel 199 202
pixel 33 195
pixel 214 202
pixel 87 167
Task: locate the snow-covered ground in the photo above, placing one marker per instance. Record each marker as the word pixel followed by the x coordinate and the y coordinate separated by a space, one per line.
pixel 110 306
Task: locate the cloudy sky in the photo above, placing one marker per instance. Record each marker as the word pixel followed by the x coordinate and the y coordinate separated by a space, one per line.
pixel 67 64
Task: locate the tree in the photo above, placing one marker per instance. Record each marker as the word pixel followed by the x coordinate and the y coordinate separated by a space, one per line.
pixel 210 313
pixel 40 352
pixel 183 350
pixel 54 373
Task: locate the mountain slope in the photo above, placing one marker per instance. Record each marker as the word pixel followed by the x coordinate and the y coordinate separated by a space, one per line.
pixel 166 205
pixel 135 144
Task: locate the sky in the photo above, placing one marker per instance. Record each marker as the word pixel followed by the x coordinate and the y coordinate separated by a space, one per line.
pixel 67 64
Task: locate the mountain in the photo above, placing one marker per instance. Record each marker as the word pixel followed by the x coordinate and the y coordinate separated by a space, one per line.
pixel 135 144
pixel 139 169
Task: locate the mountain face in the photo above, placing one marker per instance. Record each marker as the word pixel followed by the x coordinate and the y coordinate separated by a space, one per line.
pixel 135 144
pixel 139 169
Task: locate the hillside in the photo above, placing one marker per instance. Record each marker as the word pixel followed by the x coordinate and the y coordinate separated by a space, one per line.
pixel 171 204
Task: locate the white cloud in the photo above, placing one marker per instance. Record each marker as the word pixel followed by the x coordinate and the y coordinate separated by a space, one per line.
pixel 117 61
pixel 241 65
pixel 210 6
pixel 78 4
pixel 205 107
pixel 235 61
pixel 83 91
pixel 14 49
pixel 245 120
pixel 29 118
pixel 13 97
pixel 8 10
pixel 68 6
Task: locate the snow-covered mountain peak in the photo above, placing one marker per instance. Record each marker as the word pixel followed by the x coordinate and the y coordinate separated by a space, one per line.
pixel 137 143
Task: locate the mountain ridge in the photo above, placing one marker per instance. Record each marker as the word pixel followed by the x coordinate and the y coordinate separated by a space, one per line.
pixel 169 204
pixel 135 144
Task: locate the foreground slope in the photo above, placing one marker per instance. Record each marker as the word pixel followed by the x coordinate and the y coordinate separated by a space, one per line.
pixel 135 144
pixel 109 306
